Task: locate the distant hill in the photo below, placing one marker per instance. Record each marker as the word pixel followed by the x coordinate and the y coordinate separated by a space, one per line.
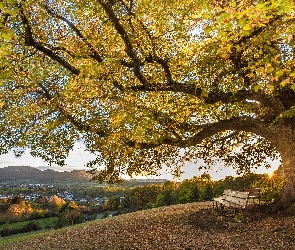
pixel 17 173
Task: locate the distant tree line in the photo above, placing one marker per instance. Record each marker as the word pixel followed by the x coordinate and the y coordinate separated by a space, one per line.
pixel 196 189
pixel 124 200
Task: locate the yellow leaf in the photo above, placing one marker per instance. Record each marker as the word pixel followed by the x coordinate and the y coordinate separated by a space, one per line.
pixel 279 73
pixel 204 93
pixel 285 82
pixel 270 69
pixel 271 87
pixel 247 27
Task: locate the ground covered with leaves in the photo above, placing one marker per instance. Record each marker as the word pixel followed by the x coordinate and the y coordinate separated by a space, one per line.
pixel 187 226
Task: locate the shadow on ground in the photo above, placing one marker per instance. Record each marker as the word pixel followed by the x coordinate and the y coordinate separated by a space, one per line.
pixel 211 221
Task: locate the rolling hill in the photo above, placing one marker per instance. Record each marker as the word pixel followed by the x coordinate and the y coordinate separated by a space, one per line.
pixel 30 174
pixel 187 226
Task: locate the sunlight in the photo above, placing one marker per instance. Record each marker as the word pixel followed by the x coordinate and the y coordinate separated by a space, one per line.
pixel 270 173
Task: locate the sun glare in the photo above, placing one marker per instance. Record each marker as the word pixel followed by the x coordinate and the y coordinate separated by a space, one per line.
pixel 270 173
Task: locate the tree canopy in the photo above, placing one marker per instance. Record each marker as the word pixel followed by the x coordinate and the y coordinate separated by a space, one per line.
pixel 149 83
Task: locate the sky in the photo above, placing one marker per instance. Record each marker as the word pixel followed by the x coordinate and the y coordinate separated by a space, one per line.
pixel 78 159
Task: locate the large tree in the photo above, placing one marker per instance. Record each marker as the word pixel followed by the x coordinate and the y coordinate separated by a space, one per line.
pixel 150 83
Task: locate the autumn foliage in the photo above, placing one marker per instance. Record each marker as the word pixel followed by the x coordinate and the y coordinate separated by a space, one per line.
pixel 145 84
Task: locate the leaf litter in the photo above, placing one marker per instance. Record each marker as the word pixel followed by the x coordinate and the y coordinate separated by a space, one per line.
pixel 186 226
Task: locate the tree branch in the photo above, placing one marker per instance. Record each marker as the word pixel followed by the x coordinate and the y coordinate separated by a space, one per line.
pixel 165 66
pixel 257 31
pixel 246 124
pixel 94 54
pixel 79 125
pixel 216 96
pixel 128 44
pixel 30 41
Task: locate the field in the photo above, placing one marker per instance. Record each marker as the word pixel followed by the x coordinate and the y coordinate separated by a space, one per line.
pixel 188 226
pixel 43 223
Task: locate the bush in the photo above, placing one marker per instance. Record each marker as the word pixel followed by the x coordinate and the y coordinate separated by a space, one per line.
pixel 5 232
pixel 37 214
pixel 48 226
pixel 31 226
pixel 160 200
pixel 69 218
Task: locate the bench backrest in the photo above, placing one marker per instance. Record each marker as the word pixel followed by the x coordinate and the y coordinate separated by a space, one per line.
pixel 237 197
pixel 254 192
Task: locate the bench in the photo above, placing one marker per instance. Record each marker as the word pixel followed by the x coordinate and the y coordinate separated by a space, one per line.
pixel 254 194
pixel 233 201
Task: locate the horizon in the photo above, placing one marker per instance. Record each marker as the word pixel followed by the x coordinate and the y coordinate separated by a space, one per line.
pixel 190 171
pixel 78 158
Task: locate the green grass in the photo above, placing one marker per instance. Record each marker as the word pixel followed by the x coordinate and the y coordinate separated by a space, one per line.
pixel 19 237
pixel 41 222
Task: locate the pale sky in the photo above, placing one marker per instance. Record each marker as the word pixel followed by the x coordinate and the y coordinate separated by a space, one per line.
pixel 78 159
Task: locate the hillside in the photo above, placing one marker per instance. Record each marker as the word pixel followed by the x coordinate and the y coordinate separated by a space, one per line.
pixel 188 226
pixel 17 173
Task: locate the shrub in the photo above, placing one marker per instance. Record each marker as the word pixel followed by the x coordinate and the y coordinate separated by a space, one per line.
pixel 47 226
pixel 31 226
pixel 37 214
pixel 160 200
pixel 5 232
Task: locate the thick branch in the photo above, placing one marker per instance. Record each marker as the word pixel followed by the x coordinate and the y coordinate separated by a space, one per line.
pixel 165 66
pixel 30 41
pixel 5 19
pixel 257 31
pixel 243 95
pixel 246 124
pixel 128 44
pixel 264 99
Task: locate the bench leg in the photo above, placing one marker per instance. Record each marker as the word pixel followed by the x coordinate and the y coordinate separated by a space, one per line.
pixel 222 211
pixel 217 206
pixel 230 213
pixel 214 205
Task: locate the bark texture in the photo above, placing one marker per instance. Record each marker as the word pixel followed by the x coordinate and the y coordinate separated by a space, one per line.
pixel 286 146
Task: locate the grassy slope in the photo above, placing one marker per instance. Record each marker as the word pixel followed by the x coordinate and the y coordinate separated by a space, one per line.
pixel 41 222
pixel 188 226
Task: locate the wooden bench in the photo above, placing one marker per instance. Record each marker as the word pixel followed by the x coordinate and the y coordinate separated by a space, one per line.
pixel 232 202
pixel 254 194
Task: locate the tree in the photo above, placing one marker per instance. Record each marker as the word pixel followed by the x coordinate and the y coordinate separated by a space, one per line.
pixel 41 199
pixel 69 214
pixel 204 183
pixel 160 200
pixel 169 191
pixel 17 209
pixel 149 83
pixel 112 204
pixel 69 206
pixel 270 187
pixel 57 202
pixel 188 191
pixel 208 194
pixel 17 199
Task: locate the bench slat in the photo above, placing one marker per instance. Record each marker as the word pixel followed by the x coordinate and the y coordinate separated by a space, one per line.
pixel 233 199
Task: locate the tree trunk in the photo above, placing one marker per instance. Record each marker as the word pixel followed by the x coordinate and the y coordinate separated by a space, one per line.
pixel 288 193
pixel 287 153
